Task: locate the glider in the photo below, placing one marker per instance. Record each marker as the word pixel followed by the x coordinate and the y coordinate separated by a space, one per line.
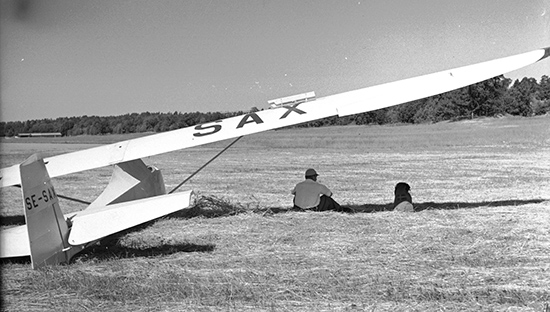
pixel 136 192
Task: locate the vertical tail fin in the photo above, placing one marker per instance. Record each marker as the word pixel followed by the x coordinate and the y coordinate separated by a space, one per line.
pixel 48 231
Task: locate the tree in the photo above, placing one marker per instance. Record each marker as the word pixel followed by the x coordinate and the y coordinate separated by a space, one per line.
pixel 485 96
pixel 446 106
pixel 405 113
pixel 66 126
pixel 522 92
pixel 373 117
pixel 540 104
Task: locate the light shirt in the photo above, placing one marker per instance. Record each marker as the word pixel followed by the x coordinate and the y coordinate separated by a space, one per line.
pixel 307 193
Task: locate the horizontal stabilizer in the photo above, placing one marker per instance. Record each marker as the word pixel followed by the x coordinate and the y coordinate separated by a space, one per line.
pixel 131 180
pixel 14 242
pixel 89 226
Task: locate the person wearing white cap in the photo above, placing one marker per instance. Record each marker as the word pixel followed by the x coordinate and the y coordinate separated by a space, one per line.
pixel 312 195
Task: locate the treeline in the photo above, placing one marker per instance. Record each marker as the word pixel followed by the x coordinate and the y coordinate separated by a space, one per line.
pixel 492 97
pixel 99 125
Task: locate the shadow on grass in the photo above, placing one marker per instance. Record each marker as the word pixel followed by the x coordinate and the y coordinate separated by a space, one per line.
pixel 447 205
pixel 111 250
pixel 19 260
pixel 12 220
pixel 462 205
pixel 108 249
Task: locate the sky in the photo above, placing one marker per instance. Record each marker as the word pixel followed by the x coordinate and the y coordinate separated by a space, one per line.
pixel 63 58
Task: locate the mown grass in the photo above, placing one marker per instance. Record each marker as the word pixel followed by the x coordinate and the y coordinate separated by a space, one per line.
pixel 480 242
pixel 481 260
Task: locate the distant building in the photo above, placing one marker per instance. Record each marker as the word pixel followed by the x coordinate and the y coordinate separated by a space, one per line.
pixel 39 135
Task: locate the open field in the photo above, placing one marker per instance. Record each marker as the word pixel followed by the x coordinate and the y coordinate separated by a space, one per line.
pixel 480 242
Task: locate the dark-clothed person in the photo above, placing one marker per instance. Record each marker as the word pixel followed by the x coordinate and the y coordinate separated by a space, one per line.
pixel 403 199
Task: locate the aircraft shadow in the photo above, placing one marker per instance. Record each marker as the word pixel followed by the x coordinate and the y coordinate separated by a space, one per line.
pixel 109 251
pixel 12 220
pixel 109 248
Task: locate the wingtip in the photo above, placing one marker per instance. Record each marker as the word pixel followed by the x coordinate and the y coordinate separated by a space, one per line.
pixel 546 53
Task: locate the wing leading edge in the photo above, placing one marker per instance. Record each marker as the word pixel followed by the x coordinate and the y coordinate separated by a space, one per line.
pixel 342 104
pixel 420 87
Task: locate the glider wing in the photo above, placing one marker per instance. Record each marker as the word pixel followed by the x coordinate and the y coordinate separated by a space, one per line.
pixel 342 104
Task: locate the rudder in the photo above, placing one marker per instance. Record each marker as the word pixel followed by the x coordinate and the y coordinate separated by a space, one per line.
pixel 47 229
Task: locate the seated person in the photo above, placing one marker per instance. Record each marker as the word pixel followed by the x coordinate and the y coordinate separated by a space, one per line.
pixel 312 195
pixel 403 199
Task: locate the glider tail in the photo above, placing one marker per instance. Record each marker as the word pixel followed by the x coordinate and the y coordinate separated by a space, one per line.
pixel 135 195
pixel 46 226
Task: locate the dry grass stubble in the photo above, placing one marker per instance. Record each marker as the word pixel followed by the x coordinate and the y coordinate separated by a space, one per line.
pixel 480 259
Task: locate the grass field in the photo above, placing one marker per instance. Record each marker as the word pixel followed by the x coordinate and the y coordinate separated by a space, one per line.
pixel 479 242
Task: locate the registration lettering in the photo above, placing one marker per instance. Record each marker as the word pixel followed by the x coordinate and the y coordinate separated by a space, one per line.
pixel 255 118
pixel 214 129
pixel 246 119
pixel 45 196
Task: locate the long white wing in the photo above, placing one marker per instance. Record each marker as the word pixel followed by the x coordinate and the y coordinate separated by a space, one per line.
pixel 411 89
pixel 342 104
